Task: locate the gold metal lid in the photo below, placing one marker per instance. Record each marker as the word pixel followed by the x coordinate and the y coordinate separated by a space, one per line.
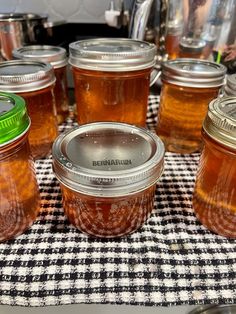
pixel 220 122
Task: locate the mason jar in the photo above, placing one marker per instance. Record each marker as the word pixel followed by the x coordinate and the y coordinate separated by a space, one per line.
pixel 111 78
pixel 188 85
pixel 19 194
pixel 191 48
pixel 57 57
pixel 34 81
pixel 108 173
pixel 214 198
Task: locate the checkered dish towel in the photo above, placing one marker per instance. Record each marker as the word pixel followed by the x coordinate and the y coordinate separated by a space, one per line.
pixel 171 260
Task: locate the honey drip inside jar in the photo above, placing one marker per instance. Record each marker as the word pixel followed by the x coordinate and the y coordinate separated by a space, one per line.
pixel 214 199
pixel 112 96
pixel 180 116
pixel 42 112
pixel 19 198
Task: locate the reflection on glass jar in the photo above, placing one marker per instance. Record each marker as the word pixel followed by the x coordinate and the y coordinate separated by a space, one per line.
pixel 34 81
pixel 112 79
pixel 19 195
pixel 188 87
pixel 57 57
pixel 108 174
pixel 214 198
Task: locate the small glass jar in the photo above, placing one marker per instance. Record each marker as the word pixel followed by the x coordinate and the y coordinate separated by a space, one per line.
pixel 111 78
pixel 34 81
pixel 230 86
pixel 19 195
pixel 214 198
pixel 57 57
pixel 191 48
pixel 188 87
pixel 108 174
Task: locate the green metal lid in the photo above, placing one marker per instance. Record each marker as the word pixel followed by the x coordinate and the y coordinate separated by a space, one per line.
pixel 14 119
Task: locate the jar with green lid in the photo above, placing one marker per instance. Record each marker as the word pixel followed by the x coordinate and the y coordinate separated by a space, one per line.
pixel 19 194
pixel 214 198
pixel 188 85
pixel 57 57
pixel 34 81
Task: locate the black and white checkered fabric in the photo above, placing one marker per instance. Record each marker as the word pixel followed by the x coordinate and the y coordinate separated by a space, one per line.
pixel 171 260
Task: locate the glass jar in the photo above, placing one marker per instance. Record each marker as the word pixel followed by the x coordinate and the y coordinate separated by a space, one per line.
pixel 34 81
pixel 108 174
pixel 19 195
pixel 214 198
pixel 188 85
pixel 230 86
pixel 191 48
pixel 57 57
pixel 111 78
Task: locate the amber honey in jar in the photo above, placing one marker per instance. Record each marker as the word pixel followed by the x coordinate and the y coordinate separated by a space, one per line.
pixel 172 40
pixel 188 85
pixel 230 86
pixel 111 78
pixel 57 57
pixel 108 173
pixel 214 198
pixel 34 81
pixel 19 195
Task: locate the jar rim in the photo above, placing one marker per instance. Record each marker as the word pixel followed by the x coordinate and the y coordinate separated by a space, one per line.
pixel 107 159
pixel 25 75
pixel 54 55
pixel 195 73
pixel 112 54
pixel 220 121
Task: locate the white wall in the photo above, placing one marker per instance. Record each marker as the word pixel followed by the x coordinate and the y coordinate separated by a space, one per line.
pixel 75 11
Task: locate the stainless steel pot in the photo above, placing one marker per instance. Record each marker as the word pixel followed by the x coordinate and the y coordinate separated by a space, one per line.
pixel 19 29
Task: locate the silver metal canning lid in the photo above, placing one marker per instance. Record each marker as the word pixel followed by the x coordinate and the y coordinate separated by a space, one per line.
pixel 230 87
pixel 215 309
pixel 54 55
pixel 193 73
pixel 192 45
pixel 108 159
pixel 112 54
pixel 220 122
pixel 25 76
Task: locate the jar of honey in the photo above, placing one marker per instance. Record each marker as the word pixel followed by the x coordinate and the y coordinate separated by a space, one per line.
pixel 34 81
pixel 230 86
pixel 19 195
pixel 108 173
pixel 188 85
pixel 191 48
pixel 111 78
pixel 214 198
pixel 57 57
